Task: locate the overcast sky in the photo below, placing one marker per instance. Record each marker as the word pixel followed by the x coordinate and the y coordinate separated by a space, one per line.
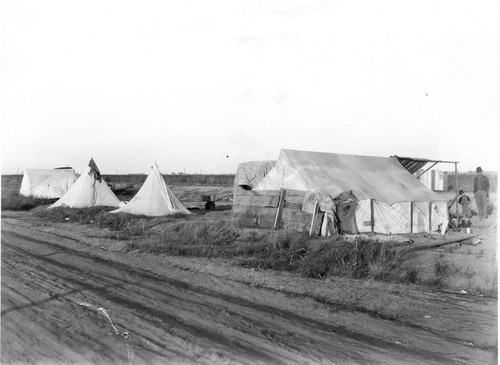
pixel 205 85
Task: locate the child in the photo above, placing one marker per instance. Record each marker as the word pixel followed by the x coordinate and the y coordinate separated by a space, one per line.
pixel 464 201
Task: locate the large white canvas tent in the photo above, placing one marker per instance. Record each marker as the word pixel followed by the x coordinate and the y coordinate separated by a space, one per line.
pixel 154 198
pixel 47 183
pixel 385 196
pixel 88 191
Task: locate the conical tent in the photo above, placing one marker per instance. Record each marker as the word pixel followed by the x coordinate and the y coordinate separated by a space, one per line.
pixel 154 198
pixel 89 190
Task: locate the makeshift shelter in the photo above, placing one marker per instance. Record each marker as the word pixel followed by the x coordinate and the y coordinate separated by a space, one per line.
pixel 364 193
pixel 88 191
pixel 47 183
pixel 154 198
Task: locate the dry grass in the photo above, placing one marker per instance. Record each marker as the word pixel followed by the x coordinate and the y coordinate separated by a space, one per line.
pixel 472 268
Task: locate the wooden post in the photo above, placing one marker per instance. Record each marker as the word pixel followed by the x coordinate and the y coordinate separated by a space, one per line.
pixel 411 217
pixel 279 212
pixel 372 215
pixel 313 218
pixel 430 216
pixel 456 188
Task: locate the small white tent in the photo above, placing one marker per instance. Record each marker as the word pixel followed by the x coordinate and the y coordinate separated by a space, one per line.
pixel 88 191
pixel 55 186
pixel 47 183
pixel 154 198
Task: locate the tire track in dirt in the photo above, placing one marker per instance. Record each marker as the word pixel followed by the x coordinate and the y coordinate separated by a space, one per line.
pixel 269 334
pixel 249 324
pixel 241 302
pixel 246 349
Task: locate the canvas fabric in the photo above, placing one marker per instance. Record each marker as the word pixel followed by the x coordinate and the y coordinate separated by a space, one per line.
pixel 55 186
pixel 34 177
pixel 380 178
pixel 383 180
pixel 252 172
pixel 88 192
pixel 154 198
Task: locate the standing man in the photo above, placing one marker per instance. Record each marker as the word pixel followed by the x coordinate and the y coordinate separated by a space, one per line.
pixel 481 193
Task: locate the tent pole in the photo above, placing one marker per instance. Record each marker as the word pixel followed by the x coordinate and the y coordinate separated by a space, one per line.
pixel 372 215
pixel 430 216
pixel 411 217
pixel 456 188
pixel 434 164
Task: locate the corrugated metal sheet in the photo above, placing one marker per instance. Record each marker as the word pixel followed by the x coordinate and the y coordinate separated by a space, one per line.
pixel 412 164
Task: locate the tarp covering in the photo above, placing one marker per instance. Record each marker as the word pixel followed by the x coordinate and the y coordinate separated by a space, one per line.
pixel 250 173
pixel 33 177
pixel 154 198
pixel 88 192
pixel 368 177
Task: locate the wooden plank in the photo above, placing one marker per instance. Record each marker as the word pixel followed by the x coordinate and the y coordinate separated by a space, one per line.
pixel 292 205
pixel 277 220
pixel 258 193
pixel 295 196
pixel 297 216
pixel 257 217
pixel 247 209
pixel 259 201
pixel 223 205
pixel 194 205
pixel 313 217
pixel 437 242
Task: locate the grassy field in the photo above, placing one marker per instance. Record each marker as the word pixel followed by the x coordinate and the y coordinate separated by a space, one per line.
pixel 215 234
pixel 125 187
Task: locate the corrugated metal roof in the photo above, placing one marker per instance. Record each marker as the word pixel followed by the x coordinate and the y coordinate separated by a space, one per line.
pixel 412 164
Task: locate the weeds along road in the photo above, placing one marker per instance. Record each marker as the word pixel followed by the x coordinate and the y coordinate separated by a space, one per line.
pixel 57 291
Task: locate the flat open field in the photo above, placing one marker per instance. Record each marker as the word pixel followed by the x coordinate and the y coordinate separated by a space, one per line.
pixel 77 293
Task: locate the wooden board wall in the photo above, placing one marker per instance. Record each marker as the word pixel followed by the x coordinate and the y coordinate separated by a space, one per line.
pixel 259 209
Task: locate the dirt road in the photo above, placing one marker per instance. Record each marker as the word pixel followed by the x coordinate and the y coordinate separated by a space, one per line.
pixel 58 288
